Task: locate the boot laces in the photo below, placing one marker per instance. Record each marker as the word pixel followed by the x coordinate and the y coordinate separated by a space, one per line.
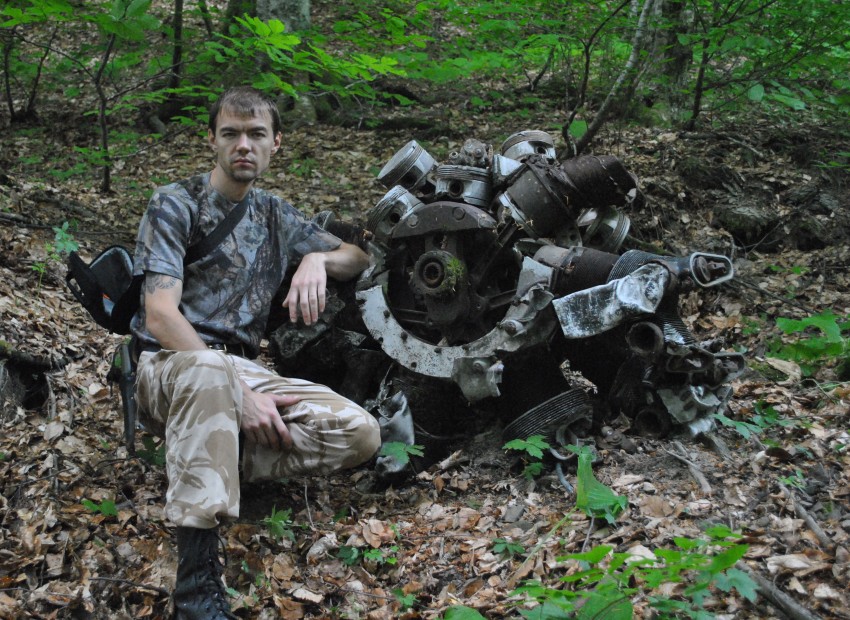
pixel 214 584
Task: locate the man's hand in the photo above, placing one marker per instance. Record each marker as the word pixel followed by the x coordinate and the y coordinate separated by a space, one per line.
pixel 308 291
pixel 261 421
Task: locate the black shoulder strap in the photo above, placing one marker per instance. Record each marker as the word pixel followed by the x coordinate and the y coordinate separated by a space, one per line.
pixel 214 239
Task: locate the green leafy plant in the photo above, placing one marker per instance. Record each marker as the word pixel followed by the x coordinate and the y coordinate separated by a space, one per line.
pixel 279 524
pixel 796 479
pixel 400 451
pixel 817 340
pixel 605 582
pixel 765 418
pixel 381 556
pixel 506 548
pixel 349 555
pixel 532 448
pixel 461 612
pixel 62 245
pixel 106 507
pixel 153 452
pixel 405 601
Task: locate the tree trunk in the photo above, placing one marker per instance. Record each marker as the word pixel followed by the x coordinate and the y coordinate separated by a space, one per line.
pixel 237 8
pixel 177 51
pixel 171 106
pixel 294 13
pixel 624 80
pixel 699 88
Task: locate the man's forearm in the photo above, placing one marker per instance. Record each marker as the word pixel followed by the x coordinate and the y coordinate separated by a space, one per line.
pixel 174 332
pixel 163 318
pixel 346 262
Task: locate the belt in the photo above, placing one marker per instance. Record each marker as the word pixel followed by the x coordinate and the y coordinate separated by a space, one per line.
pixel 240 350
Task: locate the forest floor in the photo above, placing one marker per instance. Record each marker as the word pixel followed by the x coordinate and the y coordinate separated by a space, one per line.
pixel 465 532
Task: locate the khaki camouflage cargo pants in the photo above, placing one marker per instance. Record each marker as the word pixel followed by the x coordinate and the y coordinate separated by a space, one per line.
pixel 194 400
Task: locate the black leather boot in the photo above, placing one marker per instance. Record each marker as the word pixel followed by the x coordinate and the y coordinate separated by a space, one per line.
pixel 199 592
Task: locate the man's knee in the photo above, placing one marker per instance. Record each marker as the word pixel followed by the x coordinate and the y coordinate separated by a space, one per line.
pixel 365 438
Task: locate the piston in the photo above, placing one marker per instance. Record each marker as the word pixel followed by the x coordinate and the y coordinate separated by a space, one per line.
pixel 464 184
pixel 409 167
pixel 524 143
pixel 395 204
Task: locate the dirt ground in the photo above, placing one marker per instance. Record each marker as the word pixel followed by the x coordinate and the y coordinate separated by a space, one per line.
pixel 785 488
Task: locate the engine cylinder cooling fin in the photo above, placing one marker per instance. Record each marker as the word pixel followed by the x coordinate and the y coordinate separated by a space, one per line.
pixel 571 408
pixel 630 261
pixel 675 330
pixel 575 268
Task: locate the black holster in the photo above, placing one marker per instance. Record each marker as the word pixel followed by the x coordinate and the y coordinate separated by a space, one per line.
pixel 123 372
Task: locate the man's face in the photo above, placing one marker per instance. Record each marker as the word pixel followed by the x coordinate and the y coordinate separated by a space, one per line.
pixel 243 145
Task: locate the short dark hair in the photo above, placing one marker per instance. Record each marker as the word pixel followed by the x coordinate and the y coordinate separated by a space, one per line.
pixel 245 101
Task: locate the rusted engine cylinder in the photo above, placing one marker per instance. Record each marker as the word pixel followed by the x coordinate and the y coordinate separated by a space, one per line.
pixel 464 184
pixel 533 202
pixel 409 167
pixel 389 210
pixel 575 268
pixel 524 143
pixel 601 181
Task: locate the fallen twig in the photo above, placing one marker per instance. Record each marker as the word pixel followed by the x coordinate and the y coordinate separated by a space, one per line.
pixel 777 597
pixel 127 582
pixel 455 458
pixel 521 571
pixel 801 512
pixel 693 468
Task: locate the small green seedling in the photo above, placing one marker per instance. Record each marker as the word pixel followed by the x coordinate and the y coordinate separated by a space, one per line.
pixel 796 480
pixel 506 548
pixel 405 601
pixel 349 555
pixel 533 448
pixel 381 556
pixel 63 244
pixel 106 507
pixel 279 524
pixel 152 453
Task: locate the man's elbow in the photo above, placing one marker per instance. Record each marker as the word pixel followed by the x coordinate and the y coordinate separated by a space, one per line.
pixel 354 261
pixel 156 321
pixel 361 260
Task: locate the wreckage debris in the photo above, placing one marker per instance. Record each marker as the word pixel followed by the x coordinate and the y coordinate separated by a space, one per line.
pixel 491 259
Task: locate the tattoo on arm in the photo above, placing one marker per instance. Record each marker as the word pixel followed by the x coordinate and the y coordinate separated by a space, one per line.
pixel 155 281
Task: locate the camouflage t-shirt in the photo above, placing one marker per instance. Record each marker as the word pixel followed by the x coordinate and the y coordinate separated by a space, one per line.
pixel 227 293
